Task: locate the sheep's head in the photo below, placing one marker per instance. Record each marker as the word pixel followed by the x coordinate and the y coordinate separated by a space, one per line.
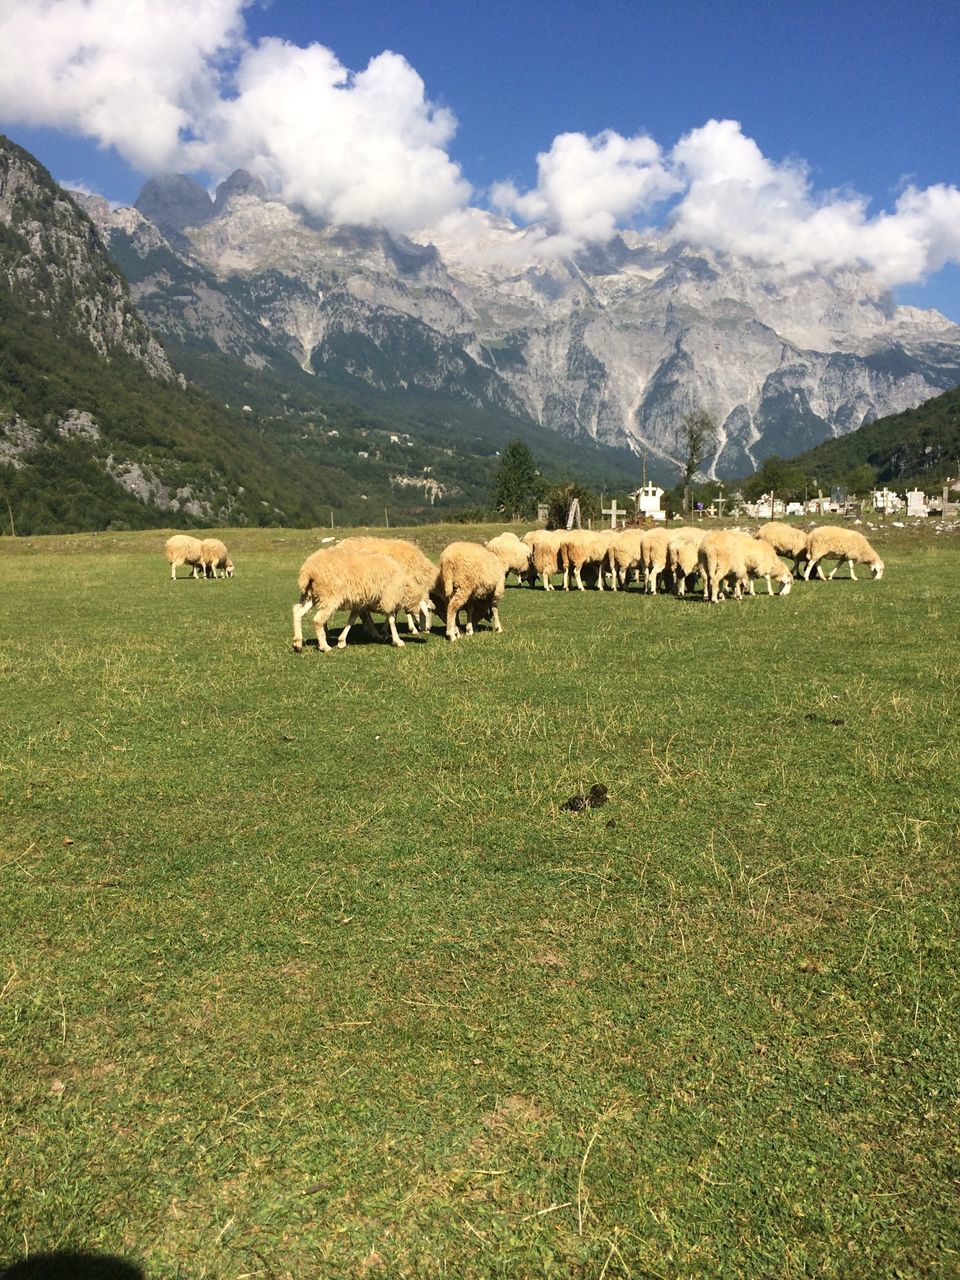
pixel 877 568
pixel 228 568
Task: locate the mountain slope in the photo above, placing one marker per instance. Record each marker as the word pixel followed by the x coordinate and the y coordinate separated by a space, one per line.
pixel 613 346
pixel 96 427
pixel 919 447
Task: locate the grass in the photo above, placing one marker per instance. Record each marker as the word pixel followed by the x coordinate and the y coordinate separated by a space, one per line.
pixel 304 971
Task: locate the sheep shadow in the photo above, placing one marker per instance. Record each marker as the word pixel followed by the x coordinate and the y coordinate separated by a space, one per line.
pixel 71 1266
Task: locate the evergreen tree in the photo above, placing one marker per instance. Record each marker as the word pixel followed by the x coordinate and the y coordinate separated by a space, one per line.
pixel 517 485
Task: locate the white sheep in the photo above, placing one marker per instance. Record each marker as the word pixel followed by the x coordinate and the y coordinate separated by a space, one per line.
pixel 785 540
pixel 357 581
pixel 624 553
pixel 682 561
pixel 544 547
pixel 727 556
pixel 407 554
pixel 183 549
pixel 214 559
pixel 580 548
pixel 473 578
pixel 762 561
pixel 846 544
pixel 512 553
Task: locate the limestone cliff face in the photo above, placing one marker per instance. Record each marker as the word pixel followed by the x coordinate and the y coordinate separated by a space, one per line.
pixel 53 259
pixel 616 344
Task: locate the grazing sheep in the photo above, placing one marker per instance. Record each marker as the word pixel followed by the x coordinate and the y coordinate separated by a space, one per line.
pixel 544 547
pixel 682 562
pixel 471 577
pixel 623 554
pixel 653 555
pixel 358 581
pixel 785 540
pixel 727 556
pixel 182 549
pixel 846 544
pixel 512 553
pixel 411 558
pixel 580 548
pixel 762 561
pixel 214 559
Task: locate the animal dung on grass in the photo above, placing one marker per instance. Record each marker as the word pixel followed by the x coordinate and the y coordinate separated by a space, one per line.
pixel 594 799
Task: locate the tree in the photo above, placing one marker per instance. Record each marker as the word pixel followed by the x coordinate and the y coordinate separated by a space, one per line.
pixel 784 479
pixel 698 434
pixel 517 485
pixel 559 499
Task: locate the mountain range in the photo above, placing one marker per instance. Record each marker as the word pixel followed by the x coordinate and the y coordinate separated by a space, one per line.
pixel 611 346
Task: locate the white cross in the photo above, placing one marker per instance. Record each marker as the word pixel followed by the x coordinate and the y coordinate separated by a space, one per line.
pixel 613 511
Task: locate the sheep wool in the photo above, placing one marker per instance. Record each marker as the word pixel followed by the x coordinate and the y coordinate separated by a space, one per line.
pixel 785 540
pixel 357 581
pixel 682 563
pixel 513 554
pixel 580 548
pixel 471 577
pixel 214 559
pixel 544 547
pixel 183 549
pixel 831 540
pixel 411 558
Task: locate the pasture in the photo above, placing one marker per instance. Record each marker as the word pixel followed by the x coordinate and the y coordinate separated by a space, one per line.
pixel 305 971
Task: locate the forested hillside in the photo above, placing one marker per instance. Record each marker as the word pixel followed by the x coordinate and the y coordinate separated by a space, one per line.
pixel 919 447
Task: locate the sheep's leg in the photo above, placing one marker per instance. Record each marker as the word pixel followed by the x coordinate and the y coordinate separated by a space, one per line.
pixel 769 585
pixel 173 572
pixel 369 626
pixel 496 618
pixel 811 565
pixel 834 569
pixel 394 634
pixel 577 578
pixel 300 610
pixel 456 603
pixel 612 571
pixel 320 620
pixel 342 639
pixel 852 574
pixel 547 586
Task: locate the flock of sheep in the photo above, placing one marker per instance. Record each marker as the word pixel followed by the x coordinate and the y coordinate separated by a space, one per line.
pixel 365 575
pixel 208 558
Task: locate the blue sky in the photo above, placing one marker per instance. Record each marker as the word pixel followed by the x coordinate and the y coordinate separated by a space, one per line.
pixel 862 99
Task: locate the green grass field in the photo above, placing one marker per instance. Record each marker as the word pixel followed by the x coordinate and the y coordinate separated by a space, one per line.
pixel 304 971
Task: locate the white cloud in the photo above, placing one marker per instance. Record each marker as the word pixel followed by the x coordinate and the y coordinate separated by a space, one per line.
pixel 175 84
pixel 738 201
pixel 179 85
pixel 588 186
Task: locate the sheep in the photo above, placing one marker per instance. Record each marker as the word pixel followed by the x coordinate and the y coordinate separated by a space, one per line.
pixel 358 581
pixel 544 547
pixel 214 559
pixel 785 540
pixel 682 563
pixel 762 561
pixel 653 555
pixel 623 554
pixel 582 547
pixel 183 549
pixel 411 558
pixel 729 556
pixel 512 553
pixel 845 544
pixel 471 577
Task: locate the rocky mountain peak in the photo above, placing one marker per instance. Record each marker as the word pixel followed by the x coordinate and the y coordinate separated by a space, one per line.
pixel 240 183
pixel 174 202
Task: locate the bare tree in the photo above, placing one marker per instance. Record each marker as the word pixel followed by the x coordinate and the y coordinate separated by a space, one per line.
pixel 698 434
